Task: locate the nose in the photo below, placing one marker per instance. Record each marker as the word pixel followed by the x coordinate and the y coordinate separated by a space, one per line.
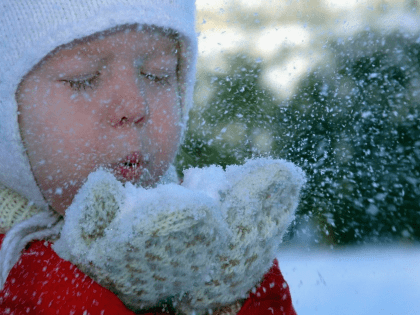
pixel 128 103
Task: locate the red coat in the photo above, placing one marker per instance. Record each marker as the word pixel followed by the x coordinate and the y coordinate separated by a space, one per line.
pixel 43 283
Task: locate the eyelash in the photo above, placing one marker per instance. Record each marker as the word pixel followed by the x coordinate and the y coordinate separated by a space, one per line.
pixel 162 80
pixel 89 82
pixel 78 85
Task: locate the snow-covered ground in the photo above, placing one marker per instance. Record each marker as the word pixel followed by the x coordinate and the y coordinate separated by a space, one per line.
pixel 357 281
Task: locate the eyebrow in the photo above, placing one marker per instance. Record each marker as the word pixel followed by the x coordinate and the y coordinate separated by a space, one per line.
pixel 84 53
pixel 89 53
pixel 91 56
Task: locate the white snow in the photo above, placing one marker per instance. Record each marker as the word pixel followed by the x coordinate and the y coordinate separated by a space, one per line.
pixel 209 180
pixel 358 281
pixel 168 240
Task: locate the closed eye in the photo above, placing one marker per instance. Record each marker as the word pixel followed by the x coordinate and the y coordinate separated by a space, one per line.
pixel 161 79
pixel 82 83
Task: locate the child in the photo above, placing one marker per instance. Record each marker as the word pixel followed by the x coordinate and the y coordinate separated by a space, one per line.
pixel 85 85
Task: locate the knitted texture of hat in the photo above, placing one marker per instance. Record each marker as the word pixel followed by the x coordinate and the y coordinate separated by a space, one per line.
pixel 14 208
pixel 31 29
pixel 25 222
pixel 204 244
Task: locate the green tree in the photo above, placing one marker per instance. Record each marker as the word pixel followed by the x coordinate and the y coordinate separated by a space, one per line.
pixel 356 131
pixel 353 124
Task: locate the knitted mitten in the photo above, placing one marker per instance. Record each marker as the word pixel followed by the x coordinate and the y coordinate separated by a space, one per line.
pixel 203 244
pixel 258 205
pixel 144 245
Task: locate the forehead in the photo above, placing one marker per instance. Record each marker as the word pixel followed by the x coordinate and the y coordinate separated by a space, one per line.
pixel 119 42
pixel 133 37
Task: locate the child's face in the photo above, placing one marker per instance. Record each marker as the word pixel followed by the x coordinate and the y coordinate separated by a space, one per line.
pixel 111 101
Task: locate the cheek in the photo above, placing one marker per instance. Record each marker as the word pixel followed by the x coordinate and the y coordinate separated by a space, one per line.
pixel 166 130
pixel 56 132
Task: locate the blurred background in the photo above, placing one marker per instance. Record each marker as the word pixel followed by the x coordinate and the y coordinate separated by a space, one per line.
pixel 333 86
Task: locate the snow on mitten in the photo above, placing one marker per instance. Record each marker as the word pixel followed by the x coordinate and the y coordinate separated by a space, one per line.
pixel 258 201
pixel 145 245
pixel 203 245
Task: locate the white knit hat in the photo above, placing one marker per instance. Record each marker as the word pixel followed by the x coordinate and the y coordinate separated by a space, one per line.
pixel 30 29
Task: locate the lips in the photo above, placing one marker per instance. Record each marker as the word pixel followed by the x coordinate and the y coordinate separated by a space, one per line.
pixel 130 168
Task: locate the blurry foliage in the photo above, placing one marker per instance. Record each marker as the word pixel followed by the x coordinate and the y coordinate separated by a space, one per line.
pixel 240 111
pixel 353 125
pixel 356 131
